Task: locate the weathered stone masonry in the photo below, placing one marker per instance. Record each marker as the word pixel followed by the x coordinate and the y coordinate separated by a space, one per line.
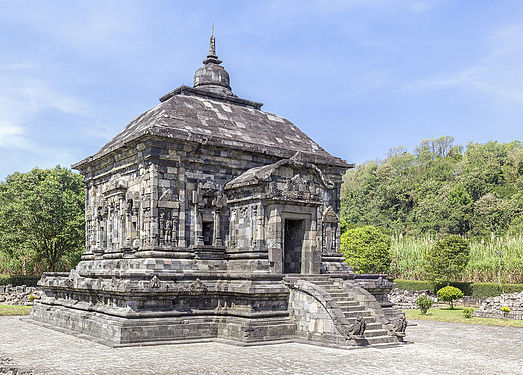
pixel 205 216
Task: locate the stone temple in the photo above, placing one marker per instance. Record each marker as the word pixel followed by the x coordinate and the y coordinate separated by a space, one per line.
pixel 210 219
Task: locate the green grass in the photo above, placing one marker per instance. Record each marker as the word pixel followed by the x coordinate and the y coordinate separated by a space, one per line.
pixel 14 310
pixel 408 254
pixel 456 316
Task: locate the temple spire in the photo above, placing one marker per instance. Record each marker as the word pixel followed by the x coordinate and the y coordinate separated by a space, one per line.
pixel 212 76
pixel 212 57
pixel 212 44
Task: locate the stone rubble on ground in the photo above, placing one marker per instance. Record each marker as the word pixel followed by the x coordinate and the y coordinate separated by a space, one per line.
pixel 491 307
pixel 19 295
pixel 406 300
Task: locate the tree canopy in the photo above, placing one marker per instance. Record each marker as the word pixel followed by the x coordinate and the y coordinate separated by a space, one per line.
pixel 441 188
pixel 366 249
pixel 42 217
pixel 447 259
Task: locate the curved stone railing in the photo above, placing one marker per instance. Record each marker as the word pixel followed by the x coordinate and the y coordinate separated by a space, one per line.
pixel 340 322
pixel 366 298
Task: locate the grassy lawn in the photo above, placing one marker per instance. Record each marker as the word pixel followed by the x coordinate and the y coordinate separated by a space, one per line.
pixel 14 310
pixel 456 316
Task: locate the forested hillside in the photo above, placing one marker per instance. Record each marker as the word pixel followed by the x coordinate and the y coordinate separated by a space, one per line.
pixel 440 188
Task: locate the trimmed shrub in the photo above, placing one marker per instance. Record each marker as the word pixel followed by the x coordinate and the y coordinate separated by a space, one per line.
pixel 18 280
pixel 366 249
pixel 447 259
pixel 424 303
pixel 511 288
pixel 449 294
pixel 467 312
pixel 414 285
pixel 477 290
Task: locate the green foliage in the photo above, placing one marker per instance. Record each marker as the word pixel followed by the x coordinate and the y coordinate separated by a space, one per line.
pixel 414 285
pixel 511 288
pixel 456 316
pixel 343 226
pixel 41 218
pixel 467 312
pixel 505 309
pixel 439 189
pixel 477 290
pixel 516 226
pixel 450 294
pixel 447 259
pixel 366 249
pixel 424 303
pixel 18 280
pixel 408 257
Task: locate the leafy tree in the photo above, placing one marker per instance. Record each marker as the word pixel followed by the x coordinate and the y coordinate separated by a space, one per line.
pixel 366 249
pixel 42 215
pixel 450 294
pixel 516 226
pixel 439 189
pixel 447 259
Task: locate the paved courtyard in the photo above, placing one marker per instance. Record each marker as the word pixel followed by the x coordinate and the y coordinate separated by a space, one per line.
pixel 438 348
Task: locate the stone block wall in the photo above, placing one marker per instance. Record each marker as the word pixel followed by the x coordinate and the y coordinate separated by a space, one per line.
pixel 312 320
pixel 406 300
pixel 491 307
pixel 19 295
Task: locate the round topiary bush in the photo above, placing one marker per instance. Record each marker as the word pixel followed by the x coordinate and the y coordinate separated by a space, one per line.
pixel 447 259
pixel 449 294
pixel 366 249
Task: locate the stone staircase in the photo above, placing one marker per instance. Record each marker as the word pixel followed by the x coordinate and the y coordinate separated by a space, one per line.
pixel 375 333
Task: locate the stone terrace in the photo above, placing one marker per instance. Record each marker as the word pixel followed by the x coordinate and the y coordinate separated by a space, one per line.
pixel 439 348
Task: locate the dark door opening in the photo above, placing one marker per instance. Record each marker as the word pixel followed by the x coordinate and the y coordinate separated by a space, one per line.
pixel 293 244
pixel 207 232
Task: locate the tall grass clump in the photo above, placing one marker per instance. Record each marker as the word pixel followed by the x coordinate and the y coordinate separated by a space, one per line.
pixel 408 256
pixel 483 265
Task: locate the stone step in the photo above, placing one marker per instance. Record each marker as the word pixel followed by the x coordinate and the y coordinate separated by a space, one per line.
pixel 353 314
pixel 344 303
pixel 368 319
pixel 352 308
pixel 374 333
pixel 324 281
pixel 335 290
pixel 344 295
pixel 376 340
pixel 373 326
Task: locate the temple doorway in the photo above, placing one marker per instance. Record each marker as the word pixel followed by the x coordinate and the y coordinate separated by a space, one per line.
pixel 293 245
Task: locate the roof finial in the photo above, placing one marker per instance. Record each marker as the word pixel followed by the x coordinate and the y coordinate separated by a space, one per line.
pixel 212 46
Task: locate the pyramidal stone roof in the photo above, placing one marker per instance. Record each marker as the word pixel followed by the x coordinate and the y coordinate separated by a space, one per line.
pixel 210 113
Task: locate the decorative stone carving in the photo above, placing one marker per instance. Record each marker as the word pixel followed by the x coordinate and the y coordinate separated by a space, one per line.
pixel 155 282
pixel 358 327
pixel 400 325
pixel 168 200
pixel 329 215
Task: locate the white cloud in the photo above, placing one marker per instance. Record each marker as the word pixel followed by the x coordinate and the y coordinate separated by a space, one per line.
pixel 498 73
pixel 22 99
pixel 12 136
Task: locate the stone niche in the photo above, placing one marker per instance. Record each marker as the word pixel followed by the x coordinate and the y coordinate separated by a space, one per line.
pixel 203 216
pixel 282 212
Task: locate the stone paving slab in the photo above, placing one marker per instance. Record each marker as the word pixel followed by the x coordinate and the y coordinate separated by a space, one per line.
pixel 438 348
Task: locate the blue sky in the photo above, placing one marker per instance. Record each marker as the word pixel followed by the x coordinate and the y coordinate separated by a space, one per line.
pixel 358 76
